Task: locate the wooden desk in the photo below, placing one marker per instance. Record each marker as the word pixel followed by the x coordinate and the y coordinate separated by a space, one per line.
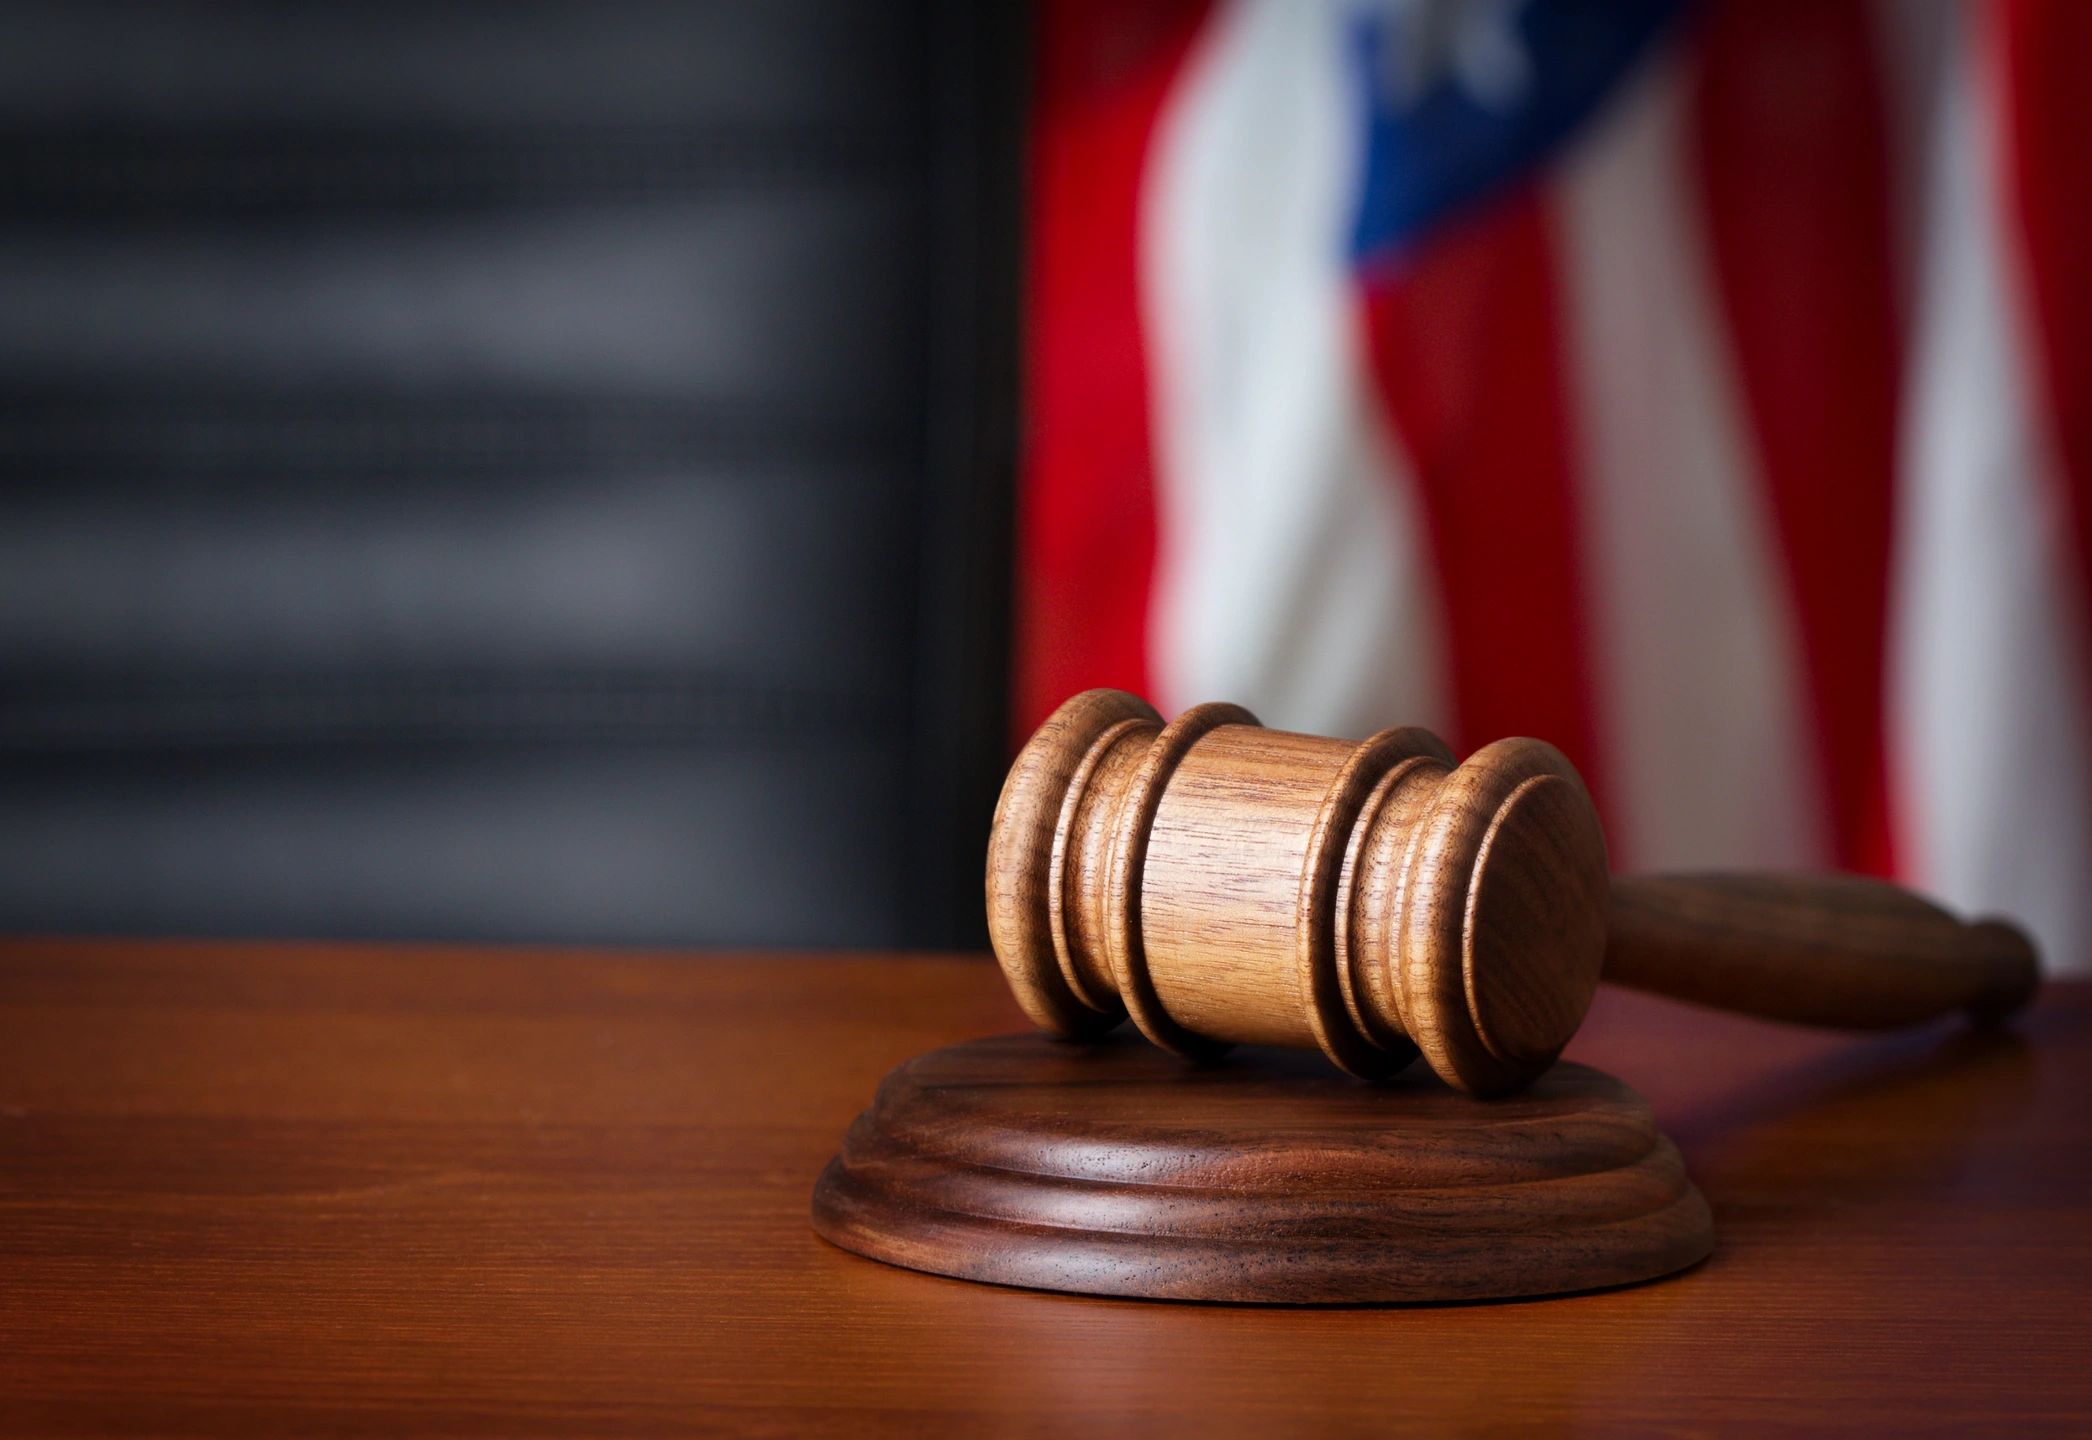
pixel 285 1188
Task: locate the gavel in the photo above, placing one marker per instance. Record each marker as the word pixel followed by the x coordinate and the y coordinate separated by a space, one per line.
pixel 1223 883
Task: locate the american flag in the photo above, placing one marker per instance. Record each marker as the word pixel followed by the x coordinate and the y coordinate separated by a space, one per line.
pixel 1706 388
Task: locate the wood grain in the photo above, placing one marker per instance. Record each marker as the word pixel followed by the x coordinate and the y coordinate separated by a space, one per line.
pixel 1836 950
pixel 1223 883
pixel 286 1189
pixel 1108 1169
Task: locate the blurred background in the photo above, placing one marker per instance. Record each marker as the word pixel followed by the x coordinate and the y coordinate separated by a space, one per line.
pixel 631 473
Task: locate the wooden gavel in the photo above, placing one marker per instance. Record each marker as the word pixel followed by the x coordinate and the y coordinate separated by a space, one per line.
pixel 1223 883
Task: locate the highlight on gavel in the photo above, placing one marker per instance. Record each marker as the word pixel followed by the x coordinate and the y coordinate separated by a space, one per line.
pixel 1224 883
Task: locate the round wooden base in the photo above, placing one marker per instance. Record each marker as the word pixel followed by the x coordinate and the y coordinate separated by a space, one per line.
pixel 1116 1169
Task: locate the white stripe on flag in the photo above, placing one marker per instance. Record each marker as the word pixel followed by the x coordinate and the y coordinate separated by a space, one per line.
pixel 1696 638
pixel 1988 726
pixel 1291 574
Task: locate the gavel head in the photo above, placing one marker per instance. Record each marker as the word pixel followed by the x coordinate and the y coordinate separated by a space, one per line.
pixel 1224 883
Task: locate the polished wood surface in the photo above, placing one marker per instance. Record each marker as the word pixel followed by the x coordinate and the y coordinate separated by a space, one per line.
pixel 1108 1168
pixel 1837 950
pixel 1220 883
pixel 293 1189
pixel 1224 883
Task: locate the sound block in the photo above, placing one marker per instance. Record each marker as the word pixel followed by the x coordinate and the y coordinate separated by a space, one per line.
pixel 1117 1169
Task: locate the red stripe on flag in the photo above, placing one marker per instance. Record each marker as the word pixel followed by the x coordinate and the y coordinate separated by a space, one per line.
pixel 2042 47
pixel 1467 353
pixel 1086 509
pixel 1789 129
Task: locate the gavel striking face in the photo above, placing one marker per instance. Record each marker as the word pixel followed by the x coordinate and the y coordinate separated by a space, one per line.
pixel 1223 883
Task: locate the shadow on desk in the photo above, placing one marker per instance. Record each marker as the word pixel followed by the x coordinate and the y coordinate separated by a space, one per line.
pixel 1877 1128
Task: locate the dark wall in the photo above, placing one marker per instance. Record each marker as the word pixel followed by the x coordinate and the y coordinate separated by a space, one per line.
pixel 532 471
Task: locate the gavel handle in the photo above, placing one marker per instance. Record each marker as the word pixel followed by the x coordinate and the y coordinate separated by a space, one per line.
pixel 1833 950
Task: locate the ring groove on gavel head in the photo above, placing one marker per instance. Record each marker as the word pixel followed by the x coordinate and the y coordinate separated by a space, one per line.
pixel 1223 883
